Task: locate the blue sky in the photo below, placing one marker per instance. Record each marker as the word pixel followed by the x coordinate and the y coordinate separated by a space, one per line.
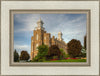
pixel 73 26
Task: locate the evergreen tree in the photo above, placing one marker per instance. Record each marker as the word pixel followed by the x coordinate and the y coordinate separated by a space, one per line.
pixel 16 56
pixel 85 42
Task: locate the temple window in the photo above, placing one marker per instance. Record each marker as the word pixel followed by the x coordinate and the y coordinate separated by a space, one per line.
pixel 36 46
pixel 37 37
pixel 45 38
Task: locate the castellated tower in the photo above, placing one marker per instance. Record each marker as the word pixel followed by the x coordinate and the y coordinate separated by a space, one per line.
pixel 40 24
pixel 40 36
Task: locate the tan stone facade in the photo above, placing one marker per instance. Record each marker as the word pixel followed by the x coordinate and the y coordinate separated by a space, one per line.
pixel 40 36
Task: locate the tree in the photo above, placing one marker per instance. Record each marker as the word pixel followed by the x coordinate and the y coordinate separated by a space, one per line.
pixel 16 56
pixel 63 54
pixel 74 47
pixel 42 52
pixel 85 42
pixel 54 51
pixel 24 55
pixel 83 52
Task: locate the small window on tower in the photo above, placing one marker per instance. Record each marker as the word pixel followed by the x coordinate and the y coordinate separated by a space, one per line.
pixel 36 46
pixel 37 37
pixel 44 38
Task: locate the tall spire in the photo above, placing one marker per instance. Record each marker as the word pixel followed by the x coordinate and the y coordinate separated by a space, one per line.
pixel 40 24
pixel 40 21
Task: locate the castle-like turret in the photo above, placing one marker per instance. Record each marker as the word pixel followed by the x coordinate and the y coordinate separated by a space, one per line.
pixel 40 24
pixel 60 36
pixel 40 36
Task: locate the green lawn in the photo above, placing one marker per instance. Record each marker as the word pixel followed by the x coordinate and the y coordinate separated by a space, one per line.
pixel 68 60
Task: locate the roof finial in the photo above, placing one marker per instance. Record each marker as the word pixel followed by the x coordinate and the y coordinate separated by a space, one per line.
pixel 40 21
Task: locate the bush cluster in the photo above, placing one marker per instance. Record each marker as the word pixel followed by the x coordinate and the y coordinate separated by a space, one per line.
pixel 47 53
pixel 42 52
pixel 74 49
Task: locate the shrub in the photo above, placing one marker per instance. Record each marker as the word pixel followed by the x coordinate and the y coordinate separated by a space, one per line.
pixel 67 55
pixel 40 60
pixel 35 59
pixel 55 57
pixel 63 54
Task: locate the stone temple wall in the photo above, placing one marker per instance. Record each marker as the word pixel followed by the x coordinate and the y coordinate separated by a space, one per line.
pixel 40 36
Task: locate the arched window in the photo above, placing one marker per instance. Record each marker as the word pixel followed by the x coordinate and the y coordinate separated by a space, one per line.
pixel 36 36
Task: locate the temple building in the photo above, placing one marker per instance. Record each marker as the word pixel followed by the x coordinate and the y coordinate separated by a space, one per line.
pixel 40 36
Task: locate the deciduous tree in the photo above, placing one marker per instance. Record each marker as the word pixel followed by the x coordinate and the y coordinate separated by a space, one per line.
pixel 24 55
pixel 85 42
pixel 74 47
pixel 42 52
pixel 54 51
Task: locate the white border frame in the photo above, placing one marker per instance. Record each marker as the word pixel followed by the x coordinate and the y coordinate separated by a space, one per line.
pixel 89 70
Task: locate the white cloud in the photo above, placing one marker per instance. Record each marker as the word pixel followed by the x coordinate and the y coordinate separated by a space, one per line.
pixel 71 28
pixel 29 22
pixel 19 48
pixel 77 19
